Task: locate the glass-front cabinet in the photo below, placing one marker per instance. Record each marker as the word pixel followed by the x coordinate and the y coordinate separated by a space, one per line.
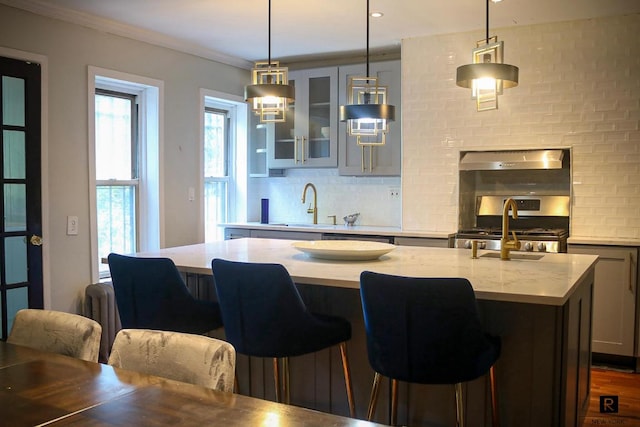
pixel 378 160
pixel 257 134
pixel 309 136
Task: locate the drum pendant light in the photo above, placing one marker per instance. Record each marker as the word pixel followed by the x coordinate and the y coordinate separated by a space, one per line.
pixel 487 76
pixel 269 91
pixel 367 113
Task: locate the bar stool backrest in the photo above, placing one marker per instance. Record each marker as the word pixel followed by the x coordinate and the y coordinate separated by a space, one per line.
pixel 150 294
pixel 425 330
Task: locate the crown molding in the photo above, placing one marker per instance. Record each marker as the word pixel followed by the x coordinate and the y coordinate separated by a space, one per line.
pixel 124 30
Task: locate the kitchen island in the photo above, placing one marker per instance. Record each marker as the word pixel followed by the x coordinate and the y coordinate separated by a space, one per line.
pixel 540 307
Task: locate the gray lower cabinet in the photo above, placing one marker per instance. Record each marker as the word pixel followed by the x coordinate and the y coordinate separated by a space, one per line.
pixel 614 299
pixel 361 237
pixel 287 235
pixel 236 233
pixel 429 242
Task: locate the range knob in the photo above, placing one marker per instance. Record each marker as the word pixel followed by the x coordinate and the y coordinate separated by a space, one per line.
pixel 467 244
pixel 542 247
pixel 482 244
pixel 528 246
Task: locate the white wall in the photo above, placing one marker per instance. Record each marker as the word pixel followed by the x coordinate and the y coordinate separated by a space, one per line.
pixel 579 88
pixel 70 49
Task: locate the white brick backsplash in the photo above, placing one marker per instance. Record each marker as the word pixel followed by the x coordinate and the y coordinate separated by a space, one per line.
pixel 579 88
pixel 337 195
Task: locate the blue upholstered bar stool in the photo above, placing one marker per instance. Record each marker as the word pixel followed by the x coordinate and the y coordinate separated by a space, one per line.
pixel 426 331
pixel 150 294
pixel 264 316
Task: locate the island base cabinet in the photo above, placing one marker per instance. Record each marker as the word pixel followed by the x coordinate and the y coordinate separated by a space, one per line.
pixel 543 373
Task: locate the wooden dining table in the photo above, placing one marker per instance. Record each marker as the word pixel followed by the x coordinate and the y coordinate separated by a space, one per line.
pixel 39 388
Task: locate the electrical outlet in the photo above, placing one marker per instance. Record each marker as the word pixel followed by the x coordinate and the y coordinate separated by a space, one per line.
pixel 394 193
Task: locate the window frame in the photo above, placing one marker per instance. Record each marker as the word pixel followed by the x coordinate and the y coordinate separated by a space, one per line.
pixel 150 98
pixel 237 169
pixel 134 182
pixel 226 178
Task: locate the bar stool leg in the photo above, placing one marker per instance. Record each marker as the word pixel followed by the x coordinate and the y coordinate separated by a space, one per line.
pixel 459 406
pixel 347 379
pixel 286 385
pixel 374 396
pixel 495 415
pixel 394 402
pixel 276 378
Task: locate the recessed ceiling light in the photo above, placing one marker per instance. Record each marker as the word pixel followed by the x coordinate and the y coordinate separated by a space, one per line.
pixel 496 1
pixel 377 14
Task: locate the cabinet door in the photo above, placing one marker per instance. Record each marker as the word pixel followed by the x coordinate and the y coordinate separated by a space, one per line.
pixel 308 138
pixel 287 235
pixel 429 242
pixel 614 298
pixel 257 134
pixel 385 160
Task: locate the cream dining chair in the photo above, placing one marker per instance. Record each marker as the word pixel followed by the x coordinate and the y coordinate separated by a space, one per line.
pixel 57 332
pixel 190 358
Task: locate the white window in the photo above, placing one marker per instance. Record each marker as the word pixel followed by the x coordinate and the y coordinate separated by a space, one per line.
pixel 117 183
pixel 124 167
pixel 216 171
pixel 224 123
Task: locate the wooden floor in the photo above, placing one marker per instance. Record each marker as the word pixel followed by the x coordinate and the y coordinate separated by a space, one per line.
pixel 606 382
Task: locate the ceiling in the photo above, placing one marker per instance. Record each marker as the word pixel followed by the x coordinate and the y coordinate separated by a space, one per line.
pixel 235 31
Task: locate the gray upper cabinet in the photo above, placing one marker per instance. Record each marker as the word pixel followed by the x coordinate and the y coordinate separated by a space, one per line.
pixel 309 136
pixel 385 160
pixel 257 134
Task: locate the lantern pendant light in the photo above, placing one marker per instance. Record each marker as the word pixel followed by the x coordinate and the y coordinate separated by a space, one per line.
pixel 367 113
pixel 487 75
pixel 269 91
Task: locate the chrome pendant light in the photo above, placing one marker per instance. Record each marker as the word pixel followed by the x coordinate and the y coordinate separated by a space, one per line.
pixel 487 76
pixel 367 113
pixel 269 91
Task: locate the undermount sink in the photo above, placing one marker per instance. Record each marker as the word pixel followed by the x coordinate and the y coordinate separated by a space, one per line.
pixel 512 255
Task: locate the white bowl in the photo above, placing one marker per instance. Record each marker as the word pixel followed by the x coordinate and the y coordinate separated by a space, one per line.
pixel 324 131
pixel 346 250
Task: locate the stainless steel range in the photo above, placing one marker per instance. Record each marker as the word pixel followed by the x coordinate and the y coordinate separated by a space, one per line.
pixel 542 224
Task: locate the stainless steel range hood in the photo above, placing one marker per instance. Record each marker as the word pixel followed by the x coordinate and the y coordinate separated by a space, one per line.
pixel 511 160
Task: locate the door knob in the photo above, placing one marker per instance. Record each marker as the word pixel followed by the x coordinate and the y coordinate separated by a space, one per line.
pixel 36 240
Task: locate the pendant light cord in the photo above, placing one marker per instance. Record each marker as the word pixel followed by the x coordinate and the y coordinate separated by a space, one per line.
pixel 367 38
pixel 487 33
pixel 269 57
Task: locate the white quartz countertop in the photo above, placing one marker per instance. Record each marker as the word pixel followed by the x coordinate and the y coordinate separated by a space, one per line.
pixel 341 228
pixel 550 280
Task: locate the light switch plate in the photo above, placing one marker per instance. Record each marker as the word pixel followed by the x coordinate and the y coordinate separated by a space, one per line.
pixel 72 226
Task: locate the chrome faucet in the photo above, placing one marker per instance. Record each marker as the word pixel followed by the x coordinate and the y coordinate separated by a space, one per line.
pixel 312 210
pixel 506 244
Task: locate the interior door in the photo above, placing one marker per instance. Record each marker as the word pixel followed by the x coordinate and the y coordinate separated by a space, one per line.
pixel 20 190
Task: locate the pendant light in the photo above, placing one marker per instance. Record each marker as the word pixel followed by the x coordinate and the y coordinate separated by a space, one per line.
pixel 269 91
pixel 487 76
pixel 367 113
